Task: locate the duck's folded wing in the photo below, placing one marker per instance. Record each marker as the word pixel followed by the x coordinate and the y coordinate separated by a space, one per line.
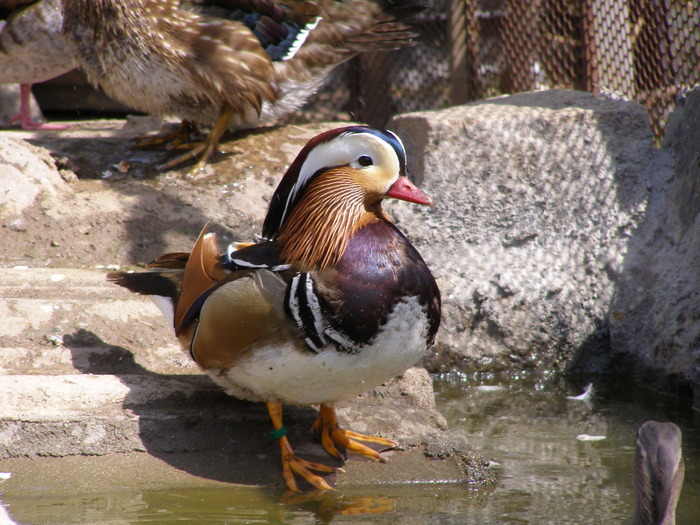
pixel 244 313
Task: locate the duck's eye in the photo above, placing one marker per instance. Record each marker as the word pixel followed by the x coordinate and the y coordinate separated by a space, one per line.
pixel 365 160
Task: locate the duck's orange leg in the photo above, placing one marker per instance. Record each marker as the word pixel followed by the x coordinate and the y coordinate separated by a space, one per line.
pixel 202 151
pixel 173 139
pixel 332 435
pixel 291 464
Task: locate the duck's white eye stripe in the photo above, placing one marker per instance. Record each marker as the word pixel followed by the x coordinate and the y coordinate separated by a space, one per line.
pixel 398 139
pixel 346 149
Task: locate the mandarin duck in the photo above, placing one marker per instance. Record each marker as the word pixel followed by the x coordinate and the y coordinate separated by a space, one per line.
pixel 332 302
pixel 31 50
pixel 225 64
pixel 658 473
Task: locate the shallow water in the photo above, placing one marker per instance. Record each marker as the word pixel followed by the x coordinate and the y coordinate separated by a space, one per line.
pixel 523 423
pixel 546 474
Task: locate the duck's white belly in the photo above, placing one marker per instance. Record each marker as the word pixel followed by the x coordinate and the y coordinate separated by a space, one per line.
pixel 283 373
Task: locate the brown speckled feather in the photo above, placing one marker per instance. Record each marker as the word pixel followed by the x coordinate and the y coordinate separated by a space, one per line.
pixel 31 45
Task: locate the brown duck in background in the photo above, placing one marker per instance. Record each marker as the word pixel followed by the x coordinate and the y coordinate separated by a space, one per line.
pixel 658 473
pixel 167 58
pixel 31 50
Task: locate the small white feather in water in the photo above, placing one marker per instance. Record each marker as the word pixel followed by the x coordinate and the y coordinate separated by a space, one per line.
pixel 489 388
pixel 586 396
pixel 5 518
pixel 586 437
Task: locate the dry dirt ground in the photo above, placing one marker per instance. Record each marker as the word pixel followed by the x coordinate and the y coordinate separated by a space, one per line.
pixel 110 206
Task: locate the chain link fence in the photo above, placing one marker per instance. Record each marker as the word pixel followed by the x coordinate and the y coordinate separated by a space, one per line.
pixel 644 50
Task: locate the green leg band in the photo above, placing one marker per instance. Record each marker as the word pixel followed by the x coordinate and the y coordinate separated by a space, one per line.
pixel 279 433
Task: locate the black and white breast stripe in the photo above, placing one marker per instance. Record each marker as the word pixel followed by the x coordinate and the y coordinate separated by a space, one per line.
pixel 303 306
pixel 301 302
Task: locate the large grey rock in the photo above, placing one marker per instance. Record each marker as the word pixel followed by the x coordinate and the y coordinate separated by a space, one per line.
pixel 537 197
pixel 655 317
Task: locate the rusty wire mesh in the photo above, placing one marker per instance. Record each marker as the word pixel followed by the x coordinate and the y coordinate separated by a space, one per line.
pixel 644 50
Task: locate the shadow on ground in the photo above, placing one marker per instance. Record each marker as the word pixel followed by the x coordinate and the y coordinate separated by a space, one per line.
pixel 192 424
